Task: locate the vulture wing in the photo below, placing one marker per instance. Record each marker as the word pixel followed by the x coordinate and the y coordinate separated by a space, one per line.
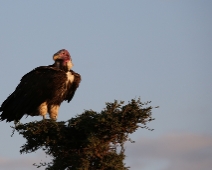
pixel 41 84
pixel 73 86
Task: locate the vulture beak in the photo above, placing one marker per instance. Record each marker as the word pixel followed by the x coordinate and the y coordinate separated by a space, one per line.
pixel 56 57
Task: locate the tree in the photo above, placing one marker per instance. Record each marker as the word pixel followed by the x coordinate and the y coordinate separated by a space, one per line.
pixel 90 141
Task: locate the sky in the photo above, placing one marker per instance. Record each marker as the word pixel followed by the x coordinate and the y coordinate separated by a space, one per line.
pixel 160 51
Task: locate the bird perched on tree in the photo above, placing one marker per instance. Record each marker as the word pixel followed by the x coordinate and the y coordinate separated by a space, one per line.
pixel 42 90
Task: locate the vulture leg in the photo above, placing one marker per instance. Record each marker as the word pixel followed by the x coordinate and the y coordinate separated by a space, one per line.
pixel 53 111
pixel 42 109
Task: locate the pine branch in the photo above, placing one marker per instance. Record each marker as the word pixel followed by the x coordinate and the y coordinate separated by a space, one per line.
pixel 90 141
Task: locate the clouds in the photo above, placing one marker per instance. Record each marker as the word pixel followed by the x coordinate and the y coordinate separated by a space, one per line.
pixel 16 164
pixel 23 162
pixel 172 151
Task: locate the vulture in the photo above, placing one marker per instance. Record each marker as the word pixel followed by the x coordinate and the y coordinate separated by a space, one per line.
pixel 42 90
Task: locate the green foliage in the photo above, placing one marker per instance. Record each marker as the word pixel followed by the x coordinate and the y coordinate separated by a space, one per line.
pixel 90 141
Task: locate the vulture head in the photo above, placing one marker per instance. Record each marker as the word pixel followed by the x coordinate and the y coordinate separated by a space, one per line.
pixel 63 60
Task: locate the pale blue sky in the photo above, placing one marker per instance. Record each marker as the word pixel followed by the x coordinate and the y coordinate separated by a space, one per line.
pixel 158 50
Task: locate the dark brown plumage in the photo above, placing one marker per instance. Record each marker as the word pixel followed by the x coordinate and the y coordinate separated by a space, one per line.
pixel 42 90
